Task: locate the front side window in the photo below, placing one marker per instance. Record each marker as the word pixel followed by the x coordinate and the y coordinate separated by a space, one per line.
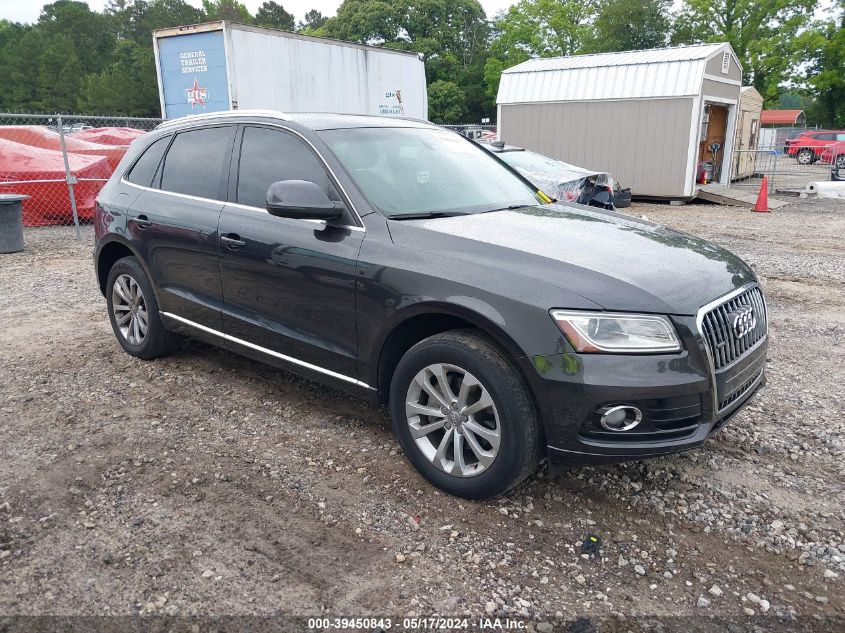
pixel 197 163
pixel 145 168
pixel 270 155
pixel 410 171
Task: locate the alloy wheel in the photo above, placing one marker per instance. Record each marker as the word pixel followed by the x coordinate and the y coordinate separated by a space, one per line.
pixel 840 161
pixel 805 157
pixel 129 309
pixel 453 420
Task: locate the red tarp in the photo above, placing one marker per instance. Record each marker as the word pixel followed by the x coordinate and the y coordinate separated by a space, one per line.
pixel 49 202
pixel 109 135
pixel 40 136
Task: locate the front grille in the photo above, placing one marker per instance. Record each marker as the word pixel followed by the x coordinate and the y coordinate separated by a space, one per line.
pixel 717 328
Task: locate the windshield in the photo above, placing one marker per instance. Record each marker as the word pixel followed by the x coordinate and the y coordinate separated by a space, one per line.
pixel 414 171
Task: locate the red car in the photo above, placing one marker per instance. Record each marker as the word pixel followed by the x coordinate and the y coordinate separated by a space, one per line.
pixel 808 146
pixel 834 155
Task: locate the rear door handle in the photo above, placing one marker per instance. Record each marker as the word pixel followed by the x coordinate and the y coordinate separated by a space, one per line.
pixel 143 222
pixel 232 241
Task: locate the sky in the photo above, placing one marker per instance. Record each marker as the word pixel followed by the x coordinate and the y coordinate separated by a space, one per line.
pixel 29 10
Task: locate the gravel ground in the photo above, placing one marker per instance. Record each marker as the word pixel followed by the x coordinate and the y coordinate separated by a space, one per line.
pixel 205 483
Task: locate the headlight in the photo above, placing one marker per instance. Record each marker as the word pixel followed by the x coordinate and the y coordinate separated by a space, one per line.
pixel 618 333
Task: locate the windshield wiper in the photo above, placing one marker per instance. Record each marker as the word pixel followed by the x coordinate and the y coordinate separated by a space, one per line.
pixel 427 215
pixel 508 208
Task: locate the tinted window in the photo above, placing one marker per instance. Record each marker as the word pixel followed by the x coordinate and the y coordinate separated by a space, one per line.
pixel 144 169
pixel 270 155
pixel 197 162
pixel 825 137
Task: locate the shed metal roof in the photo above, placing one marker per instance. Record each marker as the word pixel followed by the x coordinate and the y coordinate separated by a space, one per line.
pixel 661 72
pixel 781 117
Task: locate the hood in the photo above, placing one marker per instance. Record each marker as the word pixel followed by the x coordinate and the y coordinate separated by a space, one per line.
pixel 616 261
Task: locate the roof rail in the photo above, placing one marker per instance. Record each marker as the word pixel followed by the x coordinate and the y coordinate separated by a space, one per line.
pixel 275 114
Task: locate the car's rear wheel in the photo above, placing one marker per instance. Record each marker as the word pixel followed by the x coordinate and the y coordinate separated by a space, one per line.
pixel 464 416
pixel 805 156
pixel 133 312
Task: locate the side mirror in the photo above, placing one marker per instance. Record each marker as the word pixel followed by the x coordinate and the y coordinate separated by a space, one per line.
pixel 301 199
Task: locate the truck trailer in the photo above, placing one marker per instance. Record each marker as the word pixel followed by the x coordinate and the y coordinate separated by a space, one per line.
pixel 223 65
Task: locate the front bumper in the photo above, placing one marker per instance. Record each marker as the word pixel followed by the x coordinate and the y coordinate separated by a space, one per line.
pixel 677 394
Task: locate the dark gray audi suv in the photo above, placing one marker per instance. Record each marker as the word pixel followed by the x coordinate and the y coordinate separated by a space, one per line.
pixel 405 264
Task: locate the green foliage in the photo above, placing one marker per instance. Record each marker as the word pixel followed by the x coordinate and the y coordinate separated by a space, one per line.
pixel 123 87
pixel 629 25
pixel 762 32
pixel 446 102
pixel 273 15
pixel 537 28
pixel 313 20
pixel 230 10
pixel 822 50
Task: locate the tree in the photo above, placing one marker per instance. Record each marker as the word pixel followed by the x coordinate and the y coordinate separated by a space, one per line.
pixel 313 20
pixel 822 58
pixel 273 15
pixel 446 103
pixel 451 34
pixel 629 25
pixel 761 32
pixel 231 10
pixel 537 28
pixel 83 33
pixel 125 87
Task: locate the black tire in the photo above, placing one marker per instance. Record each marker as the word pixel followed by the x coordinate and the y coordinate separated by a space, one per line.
pixel 839 162
pixel 519 449
pixel 158 340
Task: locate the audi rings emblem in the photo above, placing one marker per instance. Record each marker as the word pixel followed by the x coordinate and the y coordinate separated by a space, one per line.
pixel 742 321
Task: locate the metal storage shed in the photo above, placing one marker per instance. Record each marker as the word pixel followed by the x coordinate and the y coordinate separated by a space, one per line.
pixel 647 117
pixel 747 133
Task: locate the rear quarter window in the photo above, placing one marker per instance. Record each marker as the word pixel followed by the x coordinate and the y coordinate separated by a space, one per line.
pixel 197 163
pixel 144 169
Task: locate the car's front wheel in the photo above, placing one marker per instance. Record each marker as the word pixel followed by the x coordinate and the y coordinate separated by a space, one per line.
pixel 464 416
pixel 133 312
pixel 840 161
pixel 805 157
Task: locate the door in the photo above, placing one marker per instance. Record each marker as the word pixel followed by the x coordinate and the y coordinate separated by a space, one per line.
pixel 288 285
pixel 174 223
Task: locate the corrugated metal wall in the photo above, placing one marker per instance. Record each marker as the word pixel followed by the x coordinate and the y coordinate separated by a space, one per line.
pixel 644 143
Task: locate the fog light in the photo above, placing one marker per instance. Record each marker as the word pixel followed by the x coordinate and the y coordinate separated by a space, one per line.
pixel 619 418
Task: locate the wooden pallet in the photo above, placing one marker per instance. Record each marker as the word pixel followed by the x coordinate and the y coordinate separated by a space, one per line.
pixel 734 197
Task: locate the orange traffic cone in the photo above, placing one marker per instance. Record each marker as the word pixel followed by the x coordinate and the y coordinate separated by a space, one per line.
pixel 762 205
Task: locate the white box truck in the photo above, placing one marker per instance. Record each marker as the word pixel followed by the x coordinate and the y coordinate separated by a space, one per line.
pixel 223 66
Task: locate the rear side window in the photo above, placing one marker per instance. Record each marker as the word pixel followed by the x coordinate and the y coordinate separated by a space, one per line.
pixel 825 137
pixel 270 155
pixel 144 169
pixel 197 163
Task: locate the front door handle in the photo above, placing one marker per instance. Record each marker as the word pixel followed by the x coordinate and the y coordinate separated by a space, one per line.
pixel 232 241
pixel 143 222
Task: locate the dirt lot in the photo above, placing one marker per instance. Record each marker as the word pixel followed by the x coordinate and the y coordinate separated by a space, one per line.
pixel 208 484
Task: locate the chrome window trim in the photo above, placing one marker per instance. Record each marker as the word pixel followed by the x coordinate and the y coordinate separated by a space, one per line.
pixel 699 321
pixel 271 114
pixel 264 350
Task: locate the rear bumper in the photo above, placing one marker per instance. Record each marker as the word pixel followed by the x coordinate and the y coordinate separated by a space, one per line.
pixel 677 394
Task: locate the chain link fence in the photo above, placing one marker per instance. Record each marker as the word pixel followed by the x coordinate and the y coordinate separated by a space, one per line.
pixel 788 173
pixel 62 161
